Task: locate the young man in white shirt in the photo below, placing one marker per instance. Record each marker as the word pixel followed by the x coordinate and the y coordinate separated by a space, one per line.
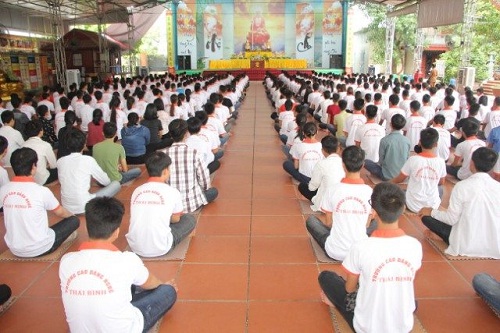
pixel 25 205
pixel 157 222
pixel 75 173
pixel 426 173
pixel 354 121
pixel 378 292
pixel 470 224
pixel 414 124
pixel 13 136
pixel 203 147
pixel 46 171
pixel 390 112
pixel 460 168
pixel 96 280
pixel 326 173
pixel 444 142
pixel 214 124
pixel 368 136
pixel 346 207
pixel 448 112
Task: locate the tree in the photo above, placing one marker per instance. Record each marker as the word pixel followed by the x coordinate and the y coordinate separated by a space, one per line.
pixel 484 42
pixel 404 36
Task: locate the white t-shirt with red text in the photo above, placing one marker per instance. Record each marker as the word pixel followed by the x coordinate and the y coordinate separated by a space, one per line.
pixel 308 153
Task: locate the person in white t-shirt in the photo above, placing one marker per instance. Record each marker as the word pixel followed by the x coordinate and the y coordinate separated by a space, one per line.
pixel 414 124
pixel 426 172
pixel 368 136
pixel 14 137
pixel 444 142
pixel 75 173
pixel 46 171
pixel 209 136
pixel 157 223
pixel 104 289
pixel 4 176
pixel 354 121
pixel 202 146
pixel 305 155
pixel 326 173
pixel 378 292
pixel 427 111
pixel 25 204
pixel 460 168
pixel 390 112
pixel 346 207
pixel 470 224
pixel 214 124
pixel 448 112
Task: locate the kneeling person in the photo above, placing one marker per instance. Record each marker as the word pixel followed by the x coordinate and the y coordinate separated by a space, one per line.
pixel 25 204
pixel 156 220
pixel 96 281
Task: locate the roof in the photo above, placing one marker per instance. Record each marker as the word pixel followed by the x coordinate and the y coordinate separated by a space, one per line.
pixel 83 39
pixel 82 11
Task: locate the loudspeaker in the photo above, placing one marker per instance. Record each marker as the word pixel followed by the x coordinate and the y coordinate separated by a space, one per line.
pixel 336 61
pixel 184 62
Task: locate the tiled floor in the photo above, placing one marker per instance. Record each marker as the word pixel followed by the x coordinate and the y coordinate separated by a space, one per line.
pixel 250 266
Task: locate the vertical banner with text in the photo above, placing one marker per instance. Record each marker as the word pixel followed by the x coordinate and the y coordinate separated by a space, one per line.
pixel 304 32
pixel 186 34
pixel 332 31
pixel 212 32
pixel 170 39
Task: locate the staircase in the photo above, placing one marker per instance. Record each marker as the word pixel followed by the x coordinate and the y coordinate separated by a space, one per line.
pixel 492 87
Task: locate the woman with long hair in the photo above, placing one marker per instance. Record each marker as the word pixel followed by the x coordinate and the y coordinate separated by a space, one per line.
pixel 135 138
pixel 95 129
pixel 117 116
pixel 157 137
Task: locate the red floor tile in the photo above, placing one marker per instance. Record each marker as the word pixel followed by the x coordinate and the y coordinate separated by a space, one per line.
pixel 164 270
pixel 275 250
pixel 205 317
pixel 439 279
pixel 457 315
pixel 20 275
pixel 227 207
pixel 34 314
pixel 289 317
pixel 284 282
pixel 276 207
pixel 47 284
pixel 278 226
pixel 223 225
pixel 469 268
pixel 213 282
pixel 218 249
pixel 272 192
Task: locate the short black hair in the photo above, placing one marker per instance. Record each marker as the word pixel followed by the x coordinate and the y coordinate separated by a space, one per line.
pixel 394 99
pixel 428 138
pixel 75 140
pixel 474 109
pixel 64 102
pixel 330 144
pixel 177 129
pixel 109 129
pixel 439 119
pixel 194 125
pixel 33 128
pixel 484 159
pixel 156 162
pixel 353 158
pixel 415 105
pixel 69 118
pixel 450 100
pixel 103 216
pixel 41 110
pixel 209 108
pixel 22 161
pixel 342 104
pixel 398 122
pixel 4 143
pixel 358 104
pixel 371 111
pixel 470 128
pixel 202 116
pixel 389 201
pixel 7 116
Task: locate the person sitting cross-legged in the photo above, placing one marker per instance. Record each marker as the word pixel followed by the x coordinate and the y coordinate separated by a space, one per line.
pixel 378 293
pixel 157 222
pixel 25 204
pixel 470 224
pixel 107 290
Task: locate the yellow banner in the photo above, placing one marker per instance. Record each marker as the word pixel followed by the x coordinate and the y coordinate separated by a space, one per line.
pixel 170 39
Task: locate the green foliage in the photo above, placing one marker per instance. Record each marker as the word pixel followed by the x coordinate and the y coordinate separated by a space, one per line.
pixel 404 35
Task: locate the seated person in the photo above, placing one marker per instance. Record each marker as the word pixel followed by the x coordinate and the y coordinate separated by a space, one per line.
pixel 156 134
pixel 326 173
pixel 14 137
pixel 71 122
pixel 188 174
pixel 426 173
pixel 201 145
pixel 96 280
pixel 394 150
pixel 305 155
pixel 470 224
pixel 95 129
pixel 25 204
pixel 45 117
pixel 385 284
pixel 488 289
pixel 46 168
pixel 76 172
pixel 368 136
pixel 460 168
pixel 135 139
pixel 157 224
pixel 111 157
pixel 4 176
pixel 346 208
